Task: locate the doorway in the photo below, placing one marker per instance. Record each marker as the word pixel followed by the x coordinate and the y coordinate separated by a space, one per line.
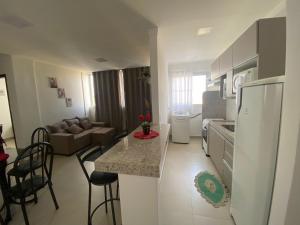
pixel 5 116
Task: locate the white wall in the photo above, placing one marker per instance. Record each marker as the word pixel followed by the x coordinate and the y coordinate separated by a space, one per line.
pixel 196 67
pixel 154 74
pixel 159 78
pixel 33 103
pixel 52 108
pixel 163 81
pixel 289 136
pixel 5 119
pixel 24 86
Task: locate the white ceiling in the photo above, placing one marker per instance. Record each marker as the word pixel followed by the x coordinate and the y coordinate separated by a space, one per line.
pixel 74 32
pixel 179 20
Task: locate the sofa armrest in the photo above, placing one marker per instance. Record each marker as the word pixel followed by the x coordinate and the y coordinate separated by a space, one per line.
pixel 100 124
pixel 62 143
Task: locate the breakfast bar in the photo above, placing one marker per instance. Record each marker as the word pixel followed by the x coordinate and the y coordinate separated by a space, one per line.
pixel 139 164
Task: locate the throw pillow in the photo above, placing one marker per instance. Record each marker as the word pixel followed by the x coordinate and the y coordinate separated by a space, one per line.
pixel 74 129
pixel 70 122
pixel 64 125
pixel 56 128
pixel 86 124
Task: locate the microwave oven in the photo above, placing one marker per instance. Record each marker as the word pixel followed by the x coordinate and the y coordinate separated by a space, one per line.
pixel 243 77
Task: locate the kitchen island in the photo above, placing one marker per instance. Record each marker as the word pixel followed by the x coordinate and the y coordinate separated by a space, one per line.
pixel 139 164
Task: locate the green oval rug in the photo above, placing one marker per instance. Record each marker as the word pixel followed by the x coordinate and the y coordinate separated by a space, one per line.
pixel 211 189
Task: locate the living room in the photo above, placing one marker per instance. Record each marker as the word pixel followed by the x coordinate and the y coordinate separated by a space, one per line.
pixel 94 79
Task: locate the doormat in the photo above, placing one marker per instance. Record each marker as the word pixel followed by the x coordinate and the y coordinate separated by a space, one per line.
pixel 211 189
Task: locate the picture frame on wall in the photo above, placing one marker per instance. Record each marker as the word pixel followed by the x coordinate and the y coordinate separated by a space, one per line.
pixel 52 82
pixel 68 102
pixel 61 93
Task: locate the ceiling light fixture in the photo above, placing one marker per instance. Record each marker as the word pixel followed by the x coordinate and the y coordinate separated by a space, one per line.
pixel 204 30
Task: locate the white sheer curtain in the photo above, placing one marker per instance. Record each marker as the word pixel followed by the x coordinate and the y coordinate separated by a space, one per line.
pixel 181 92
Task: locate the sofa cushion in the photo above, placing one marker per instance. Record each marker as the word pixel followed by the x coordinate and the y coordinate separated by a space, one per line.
pixel 58 127
pixel 74 129
pixel 70 122
pixel 64 125
pixel 85 123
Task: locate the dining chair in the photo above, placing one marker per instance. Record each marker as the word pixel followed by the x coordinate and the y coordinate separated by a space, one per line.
pixel 39 174
pixel 40 134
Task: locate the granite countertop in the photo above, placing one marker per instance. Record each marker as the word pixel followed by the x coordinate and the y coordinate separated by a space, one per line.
pixel 133 156
pixel 217 124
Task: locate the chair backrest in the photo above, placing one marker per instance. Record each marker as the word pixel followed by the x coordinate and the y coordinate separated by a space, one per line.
pixel 83 157
pixel 39 159
pixel 40 134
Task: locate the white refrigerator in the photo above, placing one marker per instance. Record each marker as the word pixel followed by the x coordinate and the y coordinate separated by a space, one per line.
pixel 255 150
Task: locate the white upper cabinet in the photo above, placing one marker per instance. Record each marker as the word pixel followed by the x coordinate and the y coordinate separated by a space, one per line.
pixel 215 69
pixel 264 43
pixel 245 47
pixel 226 61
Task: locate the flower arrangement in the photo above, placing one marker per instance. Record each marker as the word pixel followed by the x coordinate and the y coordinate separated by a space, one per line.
pixel 145 122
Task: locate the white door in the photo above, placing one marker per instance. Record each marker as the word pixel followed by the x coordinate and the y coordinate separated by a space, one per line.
pixel 255 153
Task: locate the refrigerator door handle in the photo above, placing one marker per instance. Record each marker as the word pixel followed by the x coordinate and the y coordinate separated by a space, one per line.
pixel 239 99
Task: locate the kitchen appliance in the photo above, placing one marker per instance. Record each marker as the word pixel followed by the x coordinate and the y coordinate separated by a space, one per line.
pixel 226 85
pixel 213 107
pixel 243 77
pixel 181 128
pixel 255 150
pixel 205 123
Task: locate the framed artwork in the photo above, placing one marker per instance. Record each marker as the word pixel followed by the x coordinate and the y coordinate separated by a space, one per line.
pixel 68 102
pixel 52 82
pixel 61 93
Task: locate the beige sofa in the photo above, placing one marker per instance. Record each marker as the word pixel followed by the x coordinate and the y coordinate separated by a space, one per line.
pixel 67 138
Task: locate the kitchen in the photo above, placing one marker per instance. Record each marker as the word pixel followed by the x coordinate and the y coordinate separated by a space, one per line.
pixel 241 114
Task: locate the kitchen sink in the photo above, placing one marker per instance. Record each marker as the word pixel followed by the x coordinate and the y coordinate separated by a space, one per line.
pixel 229 127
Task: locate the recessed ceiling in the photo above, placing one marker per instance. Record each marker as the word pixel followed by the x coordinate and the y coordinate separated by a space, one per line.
pixel 75 33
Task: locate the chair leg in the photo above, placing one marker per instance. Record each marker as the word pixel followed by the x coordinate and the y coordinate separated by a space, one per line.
pixel 89 205
pixel 112 204
pixel 117 195
pixel 35 195
pixel 105 195
pixel 35 198
pixel 24 211
pixel 1 220
pixel 53 195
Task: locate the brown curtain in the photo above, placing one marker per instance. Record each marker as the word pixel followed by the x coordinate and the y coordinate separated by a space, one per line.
pixel 137 94
pixel 107 98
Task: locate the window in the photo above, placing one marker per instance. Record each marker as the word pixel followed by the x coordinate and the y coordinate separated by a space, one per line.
pixel 198 87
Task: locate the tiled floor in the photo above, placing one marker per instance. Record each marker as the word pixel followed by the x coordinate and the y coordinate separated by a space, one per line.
pixel 180 203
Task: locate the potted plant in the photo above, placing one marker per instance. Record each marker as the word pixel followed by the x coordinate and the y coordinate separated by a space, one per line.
pixel 145 123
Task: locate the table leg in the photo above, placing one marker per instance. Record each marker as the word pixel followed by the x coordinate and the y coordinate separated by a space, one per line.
pixel 139 198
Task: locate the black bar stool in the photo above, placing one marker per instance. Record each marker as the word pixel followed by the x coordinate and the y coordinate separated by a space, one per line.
pixel 98 179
